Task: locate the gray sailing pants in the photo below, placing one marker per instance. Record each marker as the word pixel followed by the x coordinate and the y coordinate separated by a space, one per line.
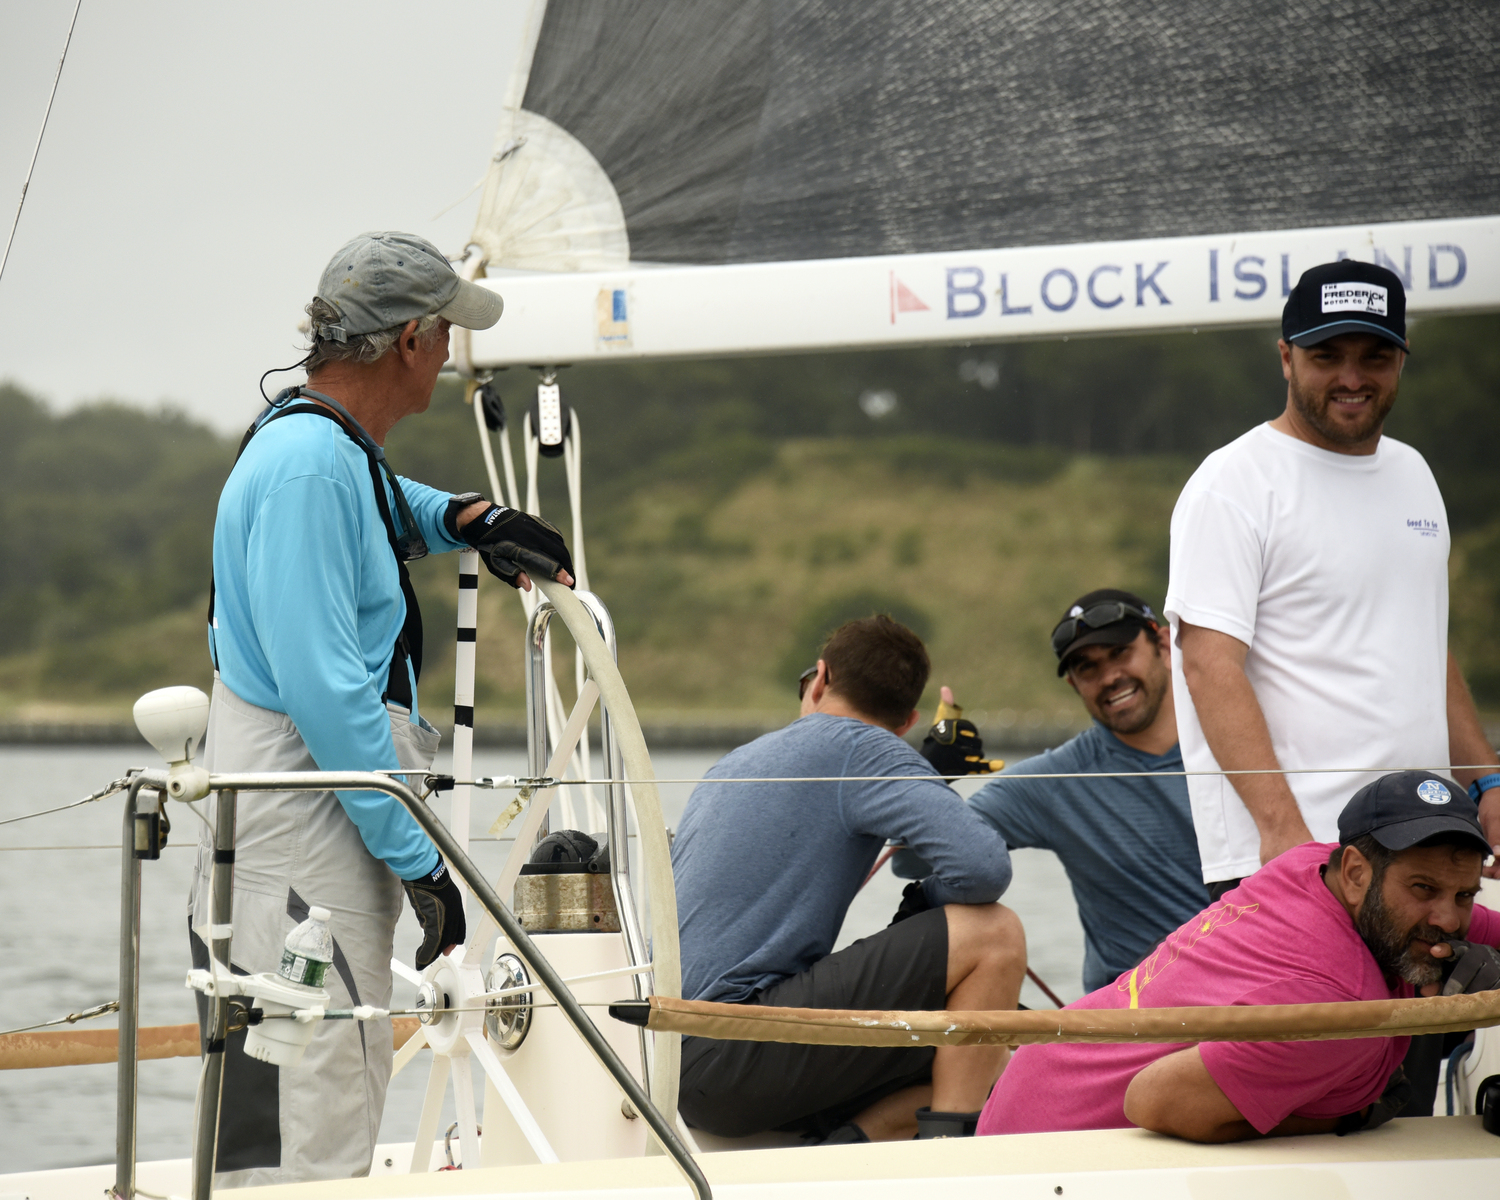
pixel 320 1118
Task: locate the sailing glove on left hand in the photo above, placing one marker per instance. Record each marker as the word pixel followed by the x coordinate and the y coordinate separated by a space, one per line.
pixel 1397 1095
pixel 510 541
pixel 1476 968
pixel 953 747
pixel 439 906
pixel 913 901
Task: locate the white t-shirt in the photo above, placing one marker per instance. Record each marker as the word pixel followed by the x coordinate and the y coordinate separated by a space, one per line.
pixel 1333 569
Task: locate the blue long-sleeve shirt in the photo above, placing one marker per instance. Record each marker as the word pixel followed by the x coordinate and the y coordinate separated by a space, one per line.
pixel 308 606
pixel 766 872
pixel 1127 843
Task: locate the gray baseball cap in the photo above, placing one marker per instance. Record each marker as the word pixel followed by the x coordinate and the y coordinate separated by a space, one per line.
pixel 381 280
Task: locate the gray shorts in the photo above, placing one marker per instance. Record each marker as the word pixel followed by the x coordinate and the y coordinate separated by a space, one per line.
pixel 320 1118
pixel 735 1089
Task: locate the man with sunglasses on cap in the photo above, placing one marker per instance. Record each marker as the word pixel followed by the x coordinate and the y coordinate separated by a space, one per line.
pixel 1309 595
pixel 1387 912
pixel 317 646
pixel 1126 837
pixel 765 874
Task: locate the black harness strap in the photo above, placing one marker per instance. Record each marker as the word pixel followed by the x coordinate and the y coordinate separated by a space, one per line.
pixel 408 648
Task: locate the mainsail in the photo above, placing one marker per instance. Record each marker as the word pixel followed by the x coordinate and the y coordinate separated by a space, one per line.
pixel 752 132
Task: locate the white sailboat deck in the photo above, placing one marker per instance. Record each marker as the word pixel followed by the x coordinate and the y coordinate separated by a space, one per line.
pixel 1401 1159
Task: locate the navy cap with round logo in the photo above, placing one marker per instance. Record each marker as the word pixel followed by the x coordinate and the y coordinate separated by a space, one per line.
pixel 1345 297
pixel 1407 807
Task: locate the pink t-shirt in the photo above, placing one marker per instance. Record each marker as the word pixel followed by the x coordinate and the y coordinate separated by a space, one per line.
pixel 1278 938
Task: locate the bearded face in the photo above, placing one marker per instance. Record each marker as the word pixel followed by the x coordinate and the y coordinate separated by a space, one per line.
pixel 1123 687
pixel 1345 388
pixel 1402 951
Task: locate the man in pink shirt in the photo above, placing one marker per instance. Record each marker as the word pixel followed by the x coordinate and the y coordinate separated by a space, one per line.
pixel 1381 914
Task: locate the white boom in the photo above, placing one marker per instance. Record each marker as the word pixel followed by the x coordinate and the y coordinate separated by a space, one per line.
pixel 1029 292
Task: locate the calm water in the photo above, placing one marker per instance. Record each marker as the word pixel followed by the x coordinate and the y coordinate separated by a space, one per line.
pixel 60 945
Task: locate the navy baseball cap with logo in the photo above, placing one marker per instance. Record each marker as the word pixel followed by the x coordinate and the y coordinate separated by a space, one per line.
pixel 1345 297
pixel 1402 809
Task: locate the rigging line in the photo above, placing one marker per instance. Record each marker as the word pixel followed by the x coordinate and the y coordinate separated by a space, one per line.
pixel 880 862
pixel 119 785
pixel 1046 991
pixel 98 1010
pixel 496 159
pixel 25 186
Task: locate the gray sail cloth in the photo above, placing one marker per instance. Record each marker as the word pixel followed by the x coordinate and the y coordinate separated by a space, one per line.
pixel 319 1119
pixel 754 130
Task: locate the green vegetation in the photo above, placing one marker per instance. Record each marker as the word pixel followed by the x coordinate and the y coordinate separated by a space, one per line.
pixel 737 510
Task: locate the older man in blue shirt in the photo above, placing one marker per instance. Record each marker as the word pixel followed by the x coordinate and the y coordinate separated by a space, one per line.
pixel 317 644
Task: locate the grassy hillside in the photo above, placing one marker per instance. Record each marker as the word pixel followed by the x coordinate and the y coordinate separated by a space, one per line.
pixel 737 510
pixel 722 599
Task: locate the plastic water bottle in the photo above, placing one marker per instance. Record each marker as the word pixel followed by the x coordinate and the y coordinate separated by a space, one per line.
pixel 309 950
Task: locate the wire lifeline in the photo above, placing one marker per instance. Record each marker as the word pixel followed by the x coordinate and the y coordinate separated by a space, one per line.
pixel 99 1010
pixel 348 1014
pixel 179 845
pixel 507 782
pixel 37 149
pixel 119 785
pixel 494 784
pixel 490 783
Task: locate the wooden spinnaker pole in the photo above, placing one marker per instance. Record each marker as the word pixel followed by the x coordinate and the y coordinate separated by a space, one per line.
pixel 1232 1023
pixel 75 1047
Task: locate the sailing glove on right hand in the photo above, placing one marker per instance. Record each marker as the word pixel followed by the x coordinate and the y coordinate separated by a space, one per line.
pixel 1476 968
pixel 510 541
pixel 439 906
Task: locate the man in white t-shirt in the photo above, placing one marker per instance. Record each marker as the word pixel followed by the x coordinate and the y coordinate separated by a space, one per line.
pixel 1309 596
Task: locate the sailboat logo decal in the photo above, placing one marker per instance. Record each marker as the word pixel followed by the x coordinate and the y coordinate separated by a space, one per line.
pixel 612 319
pixel 904 300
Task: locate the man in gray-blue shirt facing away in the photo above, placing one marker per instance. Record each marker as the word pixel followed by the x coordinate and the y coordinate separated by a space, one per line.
pixel 1126 842
pixel 765 873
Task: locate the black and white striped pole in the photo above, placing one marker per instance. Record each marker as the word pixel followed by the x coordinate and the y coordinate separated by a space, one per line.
pixel 463 694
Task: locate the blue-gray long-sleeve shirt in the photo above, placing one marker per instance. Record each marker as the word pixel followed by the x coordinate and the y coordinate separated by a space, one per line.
pixel 1127 843
pixel 766 871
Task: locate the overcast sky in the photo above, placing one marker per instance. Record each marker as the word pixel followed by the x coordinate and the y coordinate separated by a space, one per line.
pixel 203 162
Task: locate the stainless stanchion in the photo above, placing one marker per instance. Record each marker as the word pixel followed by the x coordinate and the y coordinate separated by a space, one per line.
pixel 461 865
pixel 211 1085
pixel 537 752
pixel 129 996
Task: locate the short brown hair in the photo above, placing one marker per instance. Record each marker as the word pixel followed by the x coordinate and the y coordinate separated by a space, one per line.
pixel 878 666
